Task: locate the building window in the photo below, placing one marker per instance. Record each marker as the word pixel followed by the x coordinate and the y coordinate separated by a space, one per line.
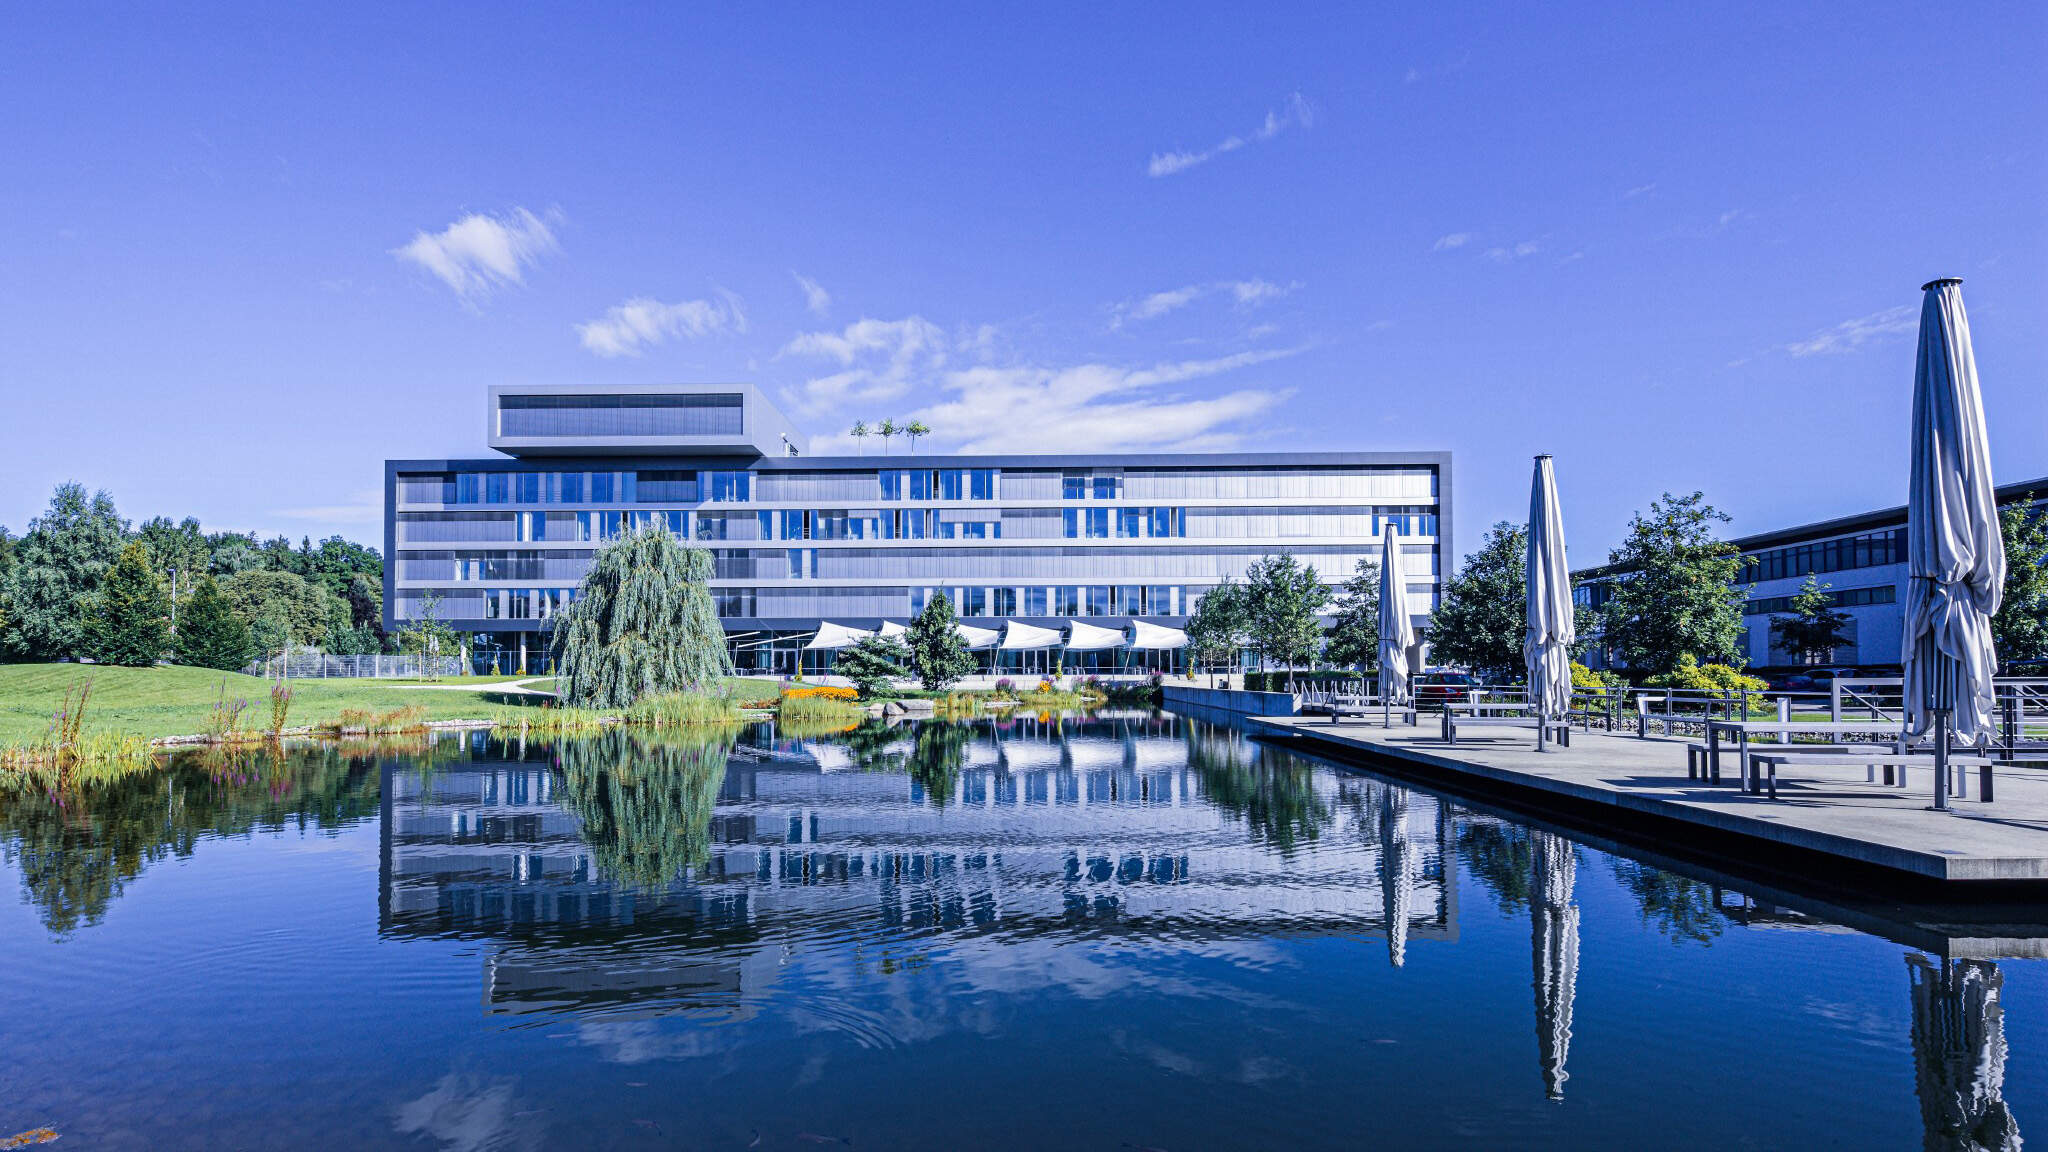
pixel 981 484
pixel 1034 601
pixel 725 487
pixel 1004 601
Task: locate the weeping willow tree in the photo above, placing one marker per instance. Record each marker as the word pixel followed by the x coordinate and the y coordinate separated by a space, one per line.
pixel 643 623
pixel 645 801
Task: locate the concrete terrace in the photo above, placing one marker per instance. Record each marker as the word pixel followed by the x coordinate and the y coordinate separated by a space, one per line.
pixel 1834 813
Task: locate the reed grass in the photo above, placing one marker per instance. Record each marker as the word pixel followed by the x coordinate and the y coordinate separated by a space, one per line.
pixel 819 709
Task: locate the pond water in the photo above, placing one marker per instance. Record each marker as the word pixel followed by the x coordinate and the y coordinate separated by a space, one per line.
pixel 1125 931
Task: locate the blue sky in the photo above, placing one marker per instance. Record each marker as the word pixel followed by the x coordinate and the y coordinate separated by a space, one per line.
pixel 252 253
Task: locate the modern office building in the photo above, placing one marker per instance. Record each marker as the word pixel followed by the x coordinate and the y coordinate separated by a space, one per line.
pixel 1085 562
pixel 1862 560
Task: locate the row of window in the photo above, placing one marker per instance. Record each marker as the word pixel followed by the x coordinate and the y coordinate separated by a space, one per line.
pixel 1866 551
pixel 1376 485
pixel 1843 598
pixel 1123 523
pixel 969 601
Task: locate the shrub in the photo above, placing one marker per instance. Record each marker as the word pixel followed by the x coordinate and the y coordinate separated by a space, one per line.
pixel 821 692
pixel 280 706
pixel 1694 676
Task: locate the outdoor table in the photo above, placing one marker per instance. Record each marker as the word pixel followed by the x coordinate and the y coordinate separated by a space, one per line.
pixel 1742 730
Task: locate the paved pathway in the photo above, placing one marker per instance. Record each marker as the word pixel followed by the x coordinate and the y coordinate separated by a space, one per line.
pixel 509 687
pixel 1831 810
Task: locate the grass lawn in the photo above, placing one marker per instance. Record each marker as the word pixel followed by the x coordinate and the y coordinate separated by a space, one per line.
pixel 169 701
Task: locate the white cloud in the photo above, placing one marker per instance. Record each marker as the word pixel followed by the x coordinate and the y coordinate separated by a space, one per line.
pixel 878 359
pixel 365 506
pixel 1098 407
pixel 1453 240
pixel 1505 255
pixel 1850 335
pixel 479 254
pixel 1731 216
pixel 1639 190
pixel 1296 112
pixel 816 298
pixel 1247 293
pixel 628 329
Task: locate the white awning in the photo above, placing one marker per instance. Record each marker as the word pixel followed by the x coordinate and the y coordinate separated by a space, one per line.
pixel 1156 637
pixel 1089 638
pixel 891 630
pixel 1025 637
pixel 830 636
pixel 977 638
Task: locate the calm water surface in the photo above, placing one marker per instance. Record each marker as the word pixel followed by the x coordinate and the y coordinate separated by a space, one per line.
pixel 1134 931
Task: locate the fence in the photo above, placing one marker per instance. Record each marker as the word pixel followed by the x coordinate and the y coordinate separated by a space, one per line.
pixel 319 666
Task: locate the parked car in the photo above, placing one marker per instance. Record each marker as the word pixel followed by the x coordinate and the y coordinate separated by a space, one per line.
pixel 1435 689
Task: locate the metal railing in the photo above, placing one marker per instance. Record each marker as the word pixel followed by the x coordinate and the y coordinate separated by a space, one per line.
pixel 321 666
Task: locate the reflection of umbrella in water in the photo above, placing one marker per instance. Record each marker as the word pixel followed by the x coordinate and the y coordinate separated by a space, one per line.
pixel 1554 941
pixel 1959 1055
pixel 1397 871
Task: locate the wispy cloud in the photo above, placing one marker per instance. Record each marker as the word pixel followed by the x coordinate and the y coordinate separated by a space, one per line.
pixel 365 506
pixel 1505 255
pixel 877 358
pixel 1850 335
pixel 640 323
pixel 1247 293
pixel 1099 407
pixel 479 254
pixel 816 298
pixel 1297 112
pixel 1639 190
pixel 1453 240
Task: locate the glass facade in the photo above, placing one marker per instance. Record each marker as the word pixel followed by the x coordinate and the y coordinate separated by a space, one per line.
pixel 503 545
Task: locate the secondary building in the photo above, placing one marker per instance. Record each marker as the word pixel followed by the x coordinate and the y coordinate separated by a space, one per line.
pixel 1862 560
pixel 1084 562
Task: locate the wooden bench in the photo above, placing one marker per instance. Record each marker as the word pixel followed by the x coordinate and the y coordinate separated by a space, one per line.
pixel 1886 757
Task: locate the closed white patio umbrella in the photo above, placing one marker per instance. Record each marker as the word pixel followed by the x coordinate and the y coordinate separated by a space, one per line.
pixel 1397 630
pixel 1955 555
pixel 1549 635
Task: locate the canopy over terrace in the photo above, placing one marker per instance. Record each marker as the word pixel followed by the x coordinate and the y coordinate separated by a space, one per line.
pixel 1032 645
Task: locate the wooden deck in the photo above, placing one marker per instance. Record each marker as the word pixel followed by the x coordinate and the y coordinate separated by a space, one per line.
pixel 1639 786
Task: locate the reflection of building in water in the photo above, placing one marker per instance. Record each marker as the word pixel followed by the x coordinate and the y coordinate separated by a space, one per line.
pixel 1058 828
pixel 1554 941
pixel 1959 1056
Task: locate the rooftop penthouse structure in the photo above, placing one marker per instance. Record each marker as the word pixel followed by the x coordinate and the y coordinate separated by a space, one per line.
pixel 1086 562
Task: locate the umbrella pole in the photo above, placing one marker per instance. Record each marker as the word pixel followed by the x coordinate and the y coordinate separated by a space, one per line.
pixel 1941 760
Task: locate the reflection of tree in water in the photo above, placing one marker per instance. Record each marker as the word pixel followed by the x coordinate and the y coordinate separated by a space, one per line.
pixel 1681 908
pixel 936 754
pixel 645 799
pixel 873 746
pixel 1500 856
pixel 1273 791
pixel 79 842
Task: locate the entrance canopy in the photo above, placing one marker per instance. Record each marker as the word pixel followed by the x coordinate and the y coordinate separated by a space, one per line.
pixel 830 636
pixel 1155 637
pixel 977 638
pixel 1089 638
pixel 1028 637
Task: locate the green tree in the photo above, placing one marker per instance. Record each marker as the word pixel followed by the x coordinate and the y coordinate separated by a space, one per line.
pixel 1484 612
pixel 1282 598
pixel 871 664
pixel 233 553
pixel 128 620
pixel 210 633
pixel 2021 627
pixel 1814 629
pixel 860 433
pixel 937 650
pixel 426 635
pixel 178 551
pixel 1671 589
pixel 643 623
pixel 886 430
pixel 1354 637
pixel 281 607
pixel 1216 630
pixel 914 430
pixel 57 569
